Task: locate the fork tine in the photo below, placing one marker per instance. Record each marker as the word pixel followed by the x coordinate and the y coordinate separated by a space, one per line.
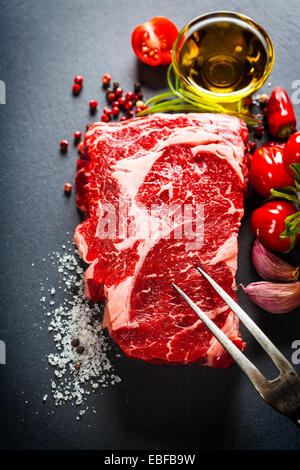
pixel 281 362
pixel 247 367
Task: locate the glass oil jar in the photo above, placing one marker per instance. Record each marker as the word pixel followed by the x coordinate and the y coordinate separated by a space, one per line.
pixel 223 57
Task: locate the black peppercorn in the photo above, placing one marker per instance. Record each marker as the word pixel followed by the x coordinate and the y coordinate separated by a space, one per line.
pixel 80 349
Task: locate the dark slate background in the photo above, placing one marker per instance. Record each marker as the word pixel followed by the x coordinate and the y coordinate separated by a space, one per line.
pixel 42 46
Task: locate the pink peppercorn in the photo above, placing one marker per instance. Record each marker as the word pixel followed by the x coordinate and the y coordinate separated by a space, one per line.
pixel 122 100
pixel 67 187
pixel 80 147
pixel 130 96
pixel 93 104
pixel 64 144
pixel 78 79
pixel 119 91
pixel 76 88
pixel 248 102
pixel 252 146
pixel 107 111
pixel 106 79
pixel 128 106
pixel 258 131
pixel 111 97
pixel 77 135
pixel 104 118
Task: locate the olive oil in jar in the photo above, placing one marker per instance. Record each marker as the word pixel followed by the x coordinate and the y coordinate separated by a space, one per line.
pixel 223 57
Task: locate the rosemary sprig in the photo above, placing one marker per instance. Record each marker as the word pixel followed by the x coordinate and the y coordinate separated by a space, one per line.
pixel 284 193
pixel 180 99
pixel 171 107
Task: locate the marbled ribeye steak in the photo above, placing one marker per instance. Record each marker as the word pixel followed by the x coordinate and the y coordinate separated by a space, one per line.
pixel 141 167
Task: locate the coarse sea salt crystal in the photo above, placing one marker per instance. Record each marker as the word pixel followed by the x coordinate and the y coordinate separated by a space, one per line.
pixel 74 317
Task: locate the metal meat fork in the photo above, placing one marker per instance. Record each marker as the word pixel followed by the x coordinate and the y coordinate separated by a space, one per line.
pixel 282 393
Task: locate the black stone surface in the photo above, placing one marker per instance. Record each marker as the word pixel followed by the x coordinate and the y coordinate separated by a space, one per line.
pixel 43 45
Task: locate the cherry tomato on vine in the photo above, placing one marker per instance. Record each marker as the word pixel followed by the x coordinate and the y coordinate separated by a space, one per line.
pixel 267 170
pixel 152 41
pixel 268 222
pixel 291 153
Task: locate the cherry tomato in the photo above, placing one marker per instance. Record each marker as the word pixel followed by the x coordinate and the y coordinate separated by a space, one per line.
pixel 152 41
pixel 267 170
pixel 268 222
pixel 291 152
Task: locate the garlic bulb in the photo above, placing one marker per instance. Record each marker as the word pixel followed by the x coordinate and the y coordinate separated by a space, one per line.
pixel 270 267
pixel 274 297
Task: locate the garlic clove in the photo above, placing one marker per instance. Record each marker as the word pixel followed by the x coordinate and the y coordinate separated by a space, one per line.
pixel 274 297
pixel 271 267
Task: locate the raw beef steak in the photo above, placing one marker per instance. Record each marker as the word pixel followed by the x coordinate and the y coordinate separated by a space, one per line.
pixel 183 176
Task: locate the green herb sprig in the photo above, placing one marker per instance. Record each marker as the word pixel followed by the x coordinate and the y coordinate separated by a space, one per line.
pixel 179 99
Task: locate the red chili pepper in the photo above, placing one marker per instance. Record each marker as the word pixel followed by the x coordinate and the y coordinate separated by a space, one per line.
pixel 280 114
